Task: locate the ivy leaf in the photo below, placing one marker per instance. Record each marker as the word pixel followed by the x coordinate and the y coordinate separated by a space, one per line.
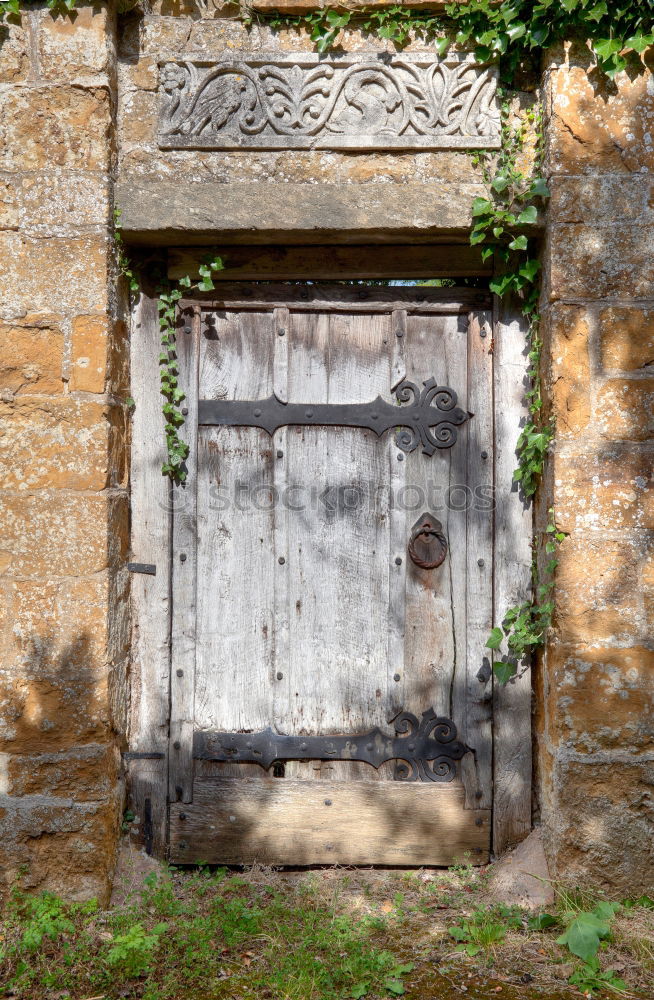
pixel 530 269
pixel 494 640
pixel 500 183
pixel 519 243
pixel 528 216
pixel 481 206
pixel 538 188
pixel 504 671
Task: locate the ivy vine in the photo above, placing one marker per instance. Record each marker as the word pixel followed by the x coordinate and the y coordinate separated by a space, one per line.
pixel 169 295
pixel 512 30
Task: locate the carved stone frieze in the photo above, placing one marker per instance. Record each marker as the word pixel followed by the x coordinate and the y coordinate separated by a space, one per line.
pixel 304 101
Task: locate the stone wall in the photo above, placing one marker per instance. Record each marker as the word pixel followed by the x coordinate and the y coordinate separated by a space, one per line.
pixel 63 502
pixel 596 689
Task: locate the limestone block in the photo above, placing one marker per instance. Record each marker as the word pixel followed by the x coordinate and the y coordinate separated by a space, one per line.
pixel 85 773
pixel 72 48
pixel 167 210
pixel 521 877
pixel 31 356
pixel 89 353
pixel 598 824
pixel 598 595
pixel 57 203
pixel 54 274
pixel 570 371
pixel 9 202
pixel 599 198
pixel 601 698
pixel 63 443
pixel 58 844
pixel 44 127
pixel 600 127
pixel 625 409
pixel 54 667
pixel 14 53
pixel 55 533
pixel 608 487
pixel 598 261
pixel 627 337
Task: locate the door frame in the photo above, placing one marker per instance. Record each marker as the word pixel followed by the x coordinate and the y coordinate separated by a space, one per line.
pixel 152 501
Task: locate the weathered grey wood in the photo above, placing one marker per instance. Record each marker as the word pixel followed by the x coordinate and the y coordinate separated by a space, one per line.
pixel 294 822
pixel 435 625
pixel 349 298
pixel 184 573
pixel 280 679
pixel 512 561
pixel 235 659
pixel 149 543
pixel 477 770
pixel 396 682
pixel 337 618
pixel 455 260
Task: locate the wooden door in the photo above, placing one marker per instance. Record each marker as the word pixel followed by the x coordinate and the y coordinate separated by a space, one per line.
pixel 295 603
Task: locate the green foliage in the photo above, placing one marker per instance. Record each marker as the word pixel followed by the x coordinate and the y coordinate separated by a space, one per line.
pixel 524 627
pixel 132 952
pixel 169 296
pixel 43 916
pixel 513 31
pixel 486 927
pixel 123 261
pixel 587 929
pixel 589 978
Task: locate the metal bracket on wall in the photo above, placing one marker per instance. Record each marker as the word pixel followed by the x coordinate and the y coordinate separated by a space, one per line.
pixel 430 419
pixel 425 750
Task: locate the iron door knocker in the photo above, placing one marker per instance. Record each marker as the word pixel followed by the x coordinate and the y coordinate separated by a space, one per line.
pixel 427 544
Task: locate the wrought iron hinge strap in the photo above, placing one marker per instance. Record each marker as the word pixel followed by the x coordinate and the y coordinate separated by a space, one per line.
pixel 430 419
pixel 425 750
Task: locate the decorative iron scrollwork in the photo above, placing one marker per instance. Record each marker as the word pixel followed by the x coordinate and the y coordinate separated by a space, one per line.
pixel 426 749
pixel 430 420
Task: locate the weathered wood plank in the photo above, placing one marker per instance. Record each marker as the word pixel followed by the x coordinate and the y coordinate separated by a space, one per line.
pixel 478 769
pixel 332 262
pixel 435 627
pixel 295 822
pixel 184 574
pixel 149 543
pixel 512 562
pixel 350 298
pixel 235 659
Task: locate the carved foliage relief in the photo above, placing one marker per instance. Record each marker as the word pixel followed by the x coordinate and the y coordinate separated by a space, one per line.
pixel 344 102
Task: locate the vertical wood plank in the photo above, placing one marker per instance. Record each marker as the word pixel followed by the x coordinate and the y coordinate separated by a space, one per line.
pixel 397 582
pixel 235 653
pixel 436 612
pixel 184 573
pixel 149 543
pixel 280 679
pixel 512 585
pixel 478 769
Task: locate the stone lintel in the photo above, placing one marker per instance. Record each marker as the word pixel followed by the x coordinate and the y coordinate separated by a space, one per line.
pixel 185 213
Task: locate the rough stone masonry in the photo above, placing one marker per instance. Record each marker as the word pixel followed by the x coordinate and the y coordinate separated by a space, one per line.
pixel 78 108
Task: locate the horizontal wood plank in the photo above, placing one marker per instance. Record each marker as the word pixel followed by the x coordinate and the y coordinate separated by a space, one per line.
pixel 270 263
pixel 296 822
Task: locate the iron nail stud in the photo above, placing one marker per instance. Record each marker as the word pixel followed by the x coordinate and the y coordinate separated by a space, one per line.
pixel 280 453
pixel 399 333
pixel 187 329
pixel 480 563
pixel 185 411
pixel 281 560
pixel 484 454
pixel 180 673
pixel 281 332
pixel 396 677
pixel 177 745
pixel 279 675
pixel 482 332
pixel 182 557
pixel 328 802
pixel 398 561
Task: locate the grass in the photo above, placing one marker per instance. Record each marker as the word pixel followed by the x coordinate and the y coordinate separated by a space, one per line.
pixel 330 934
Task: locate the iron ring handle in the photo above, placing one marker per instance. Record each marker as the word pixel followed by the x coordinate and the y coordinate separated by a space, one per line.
pixel 433 550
